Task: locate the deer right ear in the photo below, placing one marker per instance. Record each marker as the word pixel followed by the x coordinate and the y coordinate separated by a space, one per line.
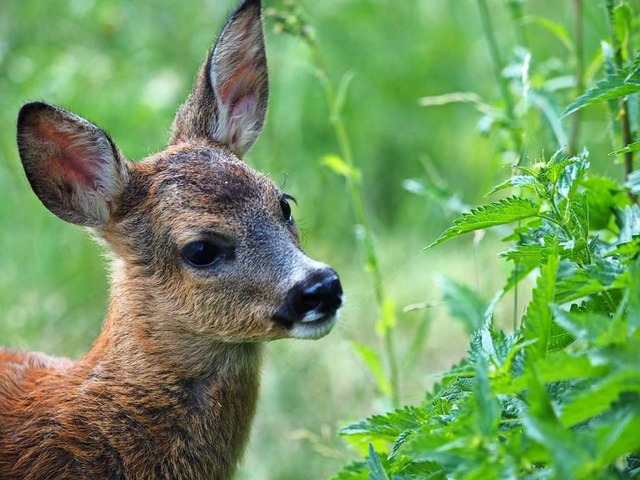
pixel 73 167
pixel 229 100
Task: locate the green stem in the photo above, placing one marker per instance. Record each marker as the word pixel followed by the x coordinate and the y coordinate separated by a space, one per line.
pixel 580 88
pixel 502 81
pixel 624 106
pixel 361 218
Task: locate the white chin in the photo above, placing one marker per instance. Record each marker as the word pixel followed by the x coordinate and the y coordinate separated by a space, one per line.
pixel 312 329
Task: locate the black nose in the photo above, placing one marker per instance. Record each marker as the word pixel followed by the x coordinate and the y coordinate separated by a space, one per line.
pixel 320 294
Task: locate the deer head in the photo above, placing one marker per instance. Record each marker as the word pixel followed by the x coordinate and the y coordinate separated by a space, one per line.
pixel 202 244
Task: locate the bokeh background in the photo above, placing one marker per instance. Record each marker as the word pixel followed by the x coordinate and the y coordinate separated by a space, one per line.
pixel 127 65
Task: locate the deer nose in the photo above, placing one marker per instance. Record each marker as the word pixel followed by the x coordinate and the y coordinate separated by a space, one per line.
pixel 316 297
pixel 320 293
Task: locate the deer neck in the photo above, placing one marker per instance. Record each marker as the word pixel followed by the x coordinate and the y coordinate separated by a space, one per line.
pixel 206 390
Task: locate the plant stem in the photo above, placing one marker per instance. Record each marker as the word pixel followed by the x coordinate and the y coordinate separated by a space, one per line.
pixel 624 106
pixel 360 215
pixel 579 59
pixel 502 81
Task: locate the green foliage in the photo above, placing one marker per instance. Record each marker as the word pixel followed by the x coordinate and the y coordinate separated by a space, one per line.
pixel 498 213
pixel 558 398
pixel 616 85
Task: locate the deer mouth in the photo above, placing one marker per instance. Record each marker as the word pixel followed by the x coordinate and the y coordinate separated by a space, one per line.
pixel 314 325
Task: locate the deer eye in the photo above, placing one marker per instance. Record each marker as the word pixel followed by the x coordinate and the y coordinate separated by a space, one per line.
pixel 203 253
pixel 286 208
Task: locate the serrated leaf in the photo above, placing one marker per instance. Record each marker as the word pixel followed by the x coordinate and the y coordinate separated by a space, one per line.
pixel 515 181
pixel 525 253
pixel 613 86
pixel 510 209
pixel 577 282
pixel 619 437
pixel 389 425
pixel 372 360
pixel 538 320
pixel 375 465
pixel 595 328
pixel 570 177
pixel 599 398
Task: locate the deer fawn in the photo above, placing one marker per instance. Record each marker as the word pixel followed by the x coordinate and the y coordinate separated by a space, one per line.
pixel 206 266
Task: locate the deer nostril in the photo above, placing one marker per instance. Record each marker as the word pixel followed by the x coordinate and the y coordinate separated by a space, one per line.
pixel 323 295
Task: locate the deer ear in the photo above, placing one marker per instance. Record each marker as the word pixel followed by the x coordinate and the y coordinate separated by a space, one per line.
pixel 73 167
pixel 229 101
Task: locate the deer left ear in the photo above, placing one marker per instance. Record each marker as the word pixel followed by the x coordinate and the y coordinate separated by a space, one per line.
pixel 229 101
pixel 72 165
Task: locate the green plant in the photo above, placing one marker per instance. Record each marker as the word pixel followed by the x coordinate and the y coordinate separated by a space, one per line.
pixel 559 396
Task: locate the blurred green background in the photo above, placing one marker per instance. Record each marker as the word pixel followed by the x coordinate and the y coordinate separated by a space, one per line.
pixel 127 66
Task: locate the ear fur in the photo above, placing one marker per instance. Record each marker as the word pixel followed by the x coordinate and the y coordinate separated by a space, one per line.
pixel 229 101
pixel 72 165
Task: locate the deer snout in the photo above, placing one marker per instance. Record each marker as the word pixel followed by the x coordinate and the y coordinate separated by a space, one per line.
pixel 318 295
pixel 310 308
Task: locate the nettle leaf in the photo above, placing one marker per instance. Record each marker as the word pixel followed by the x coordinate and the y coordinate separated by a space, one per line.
pixel 576 281
pixel 614 85
pixel 595 328
pixel 538 320
pixel 488 410
pixel 375 465
pixel 571 174
pixel 525 253
pixel 579 220
pixel 510 209
pixel 567 454
pixel 390 425
pixel 599 397
pixel 619 437
pixel 527 181
pixel 465 304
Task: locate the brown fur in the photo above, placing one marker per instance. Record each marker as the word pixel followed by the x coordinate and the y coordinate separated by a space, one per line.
pixel 169 388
